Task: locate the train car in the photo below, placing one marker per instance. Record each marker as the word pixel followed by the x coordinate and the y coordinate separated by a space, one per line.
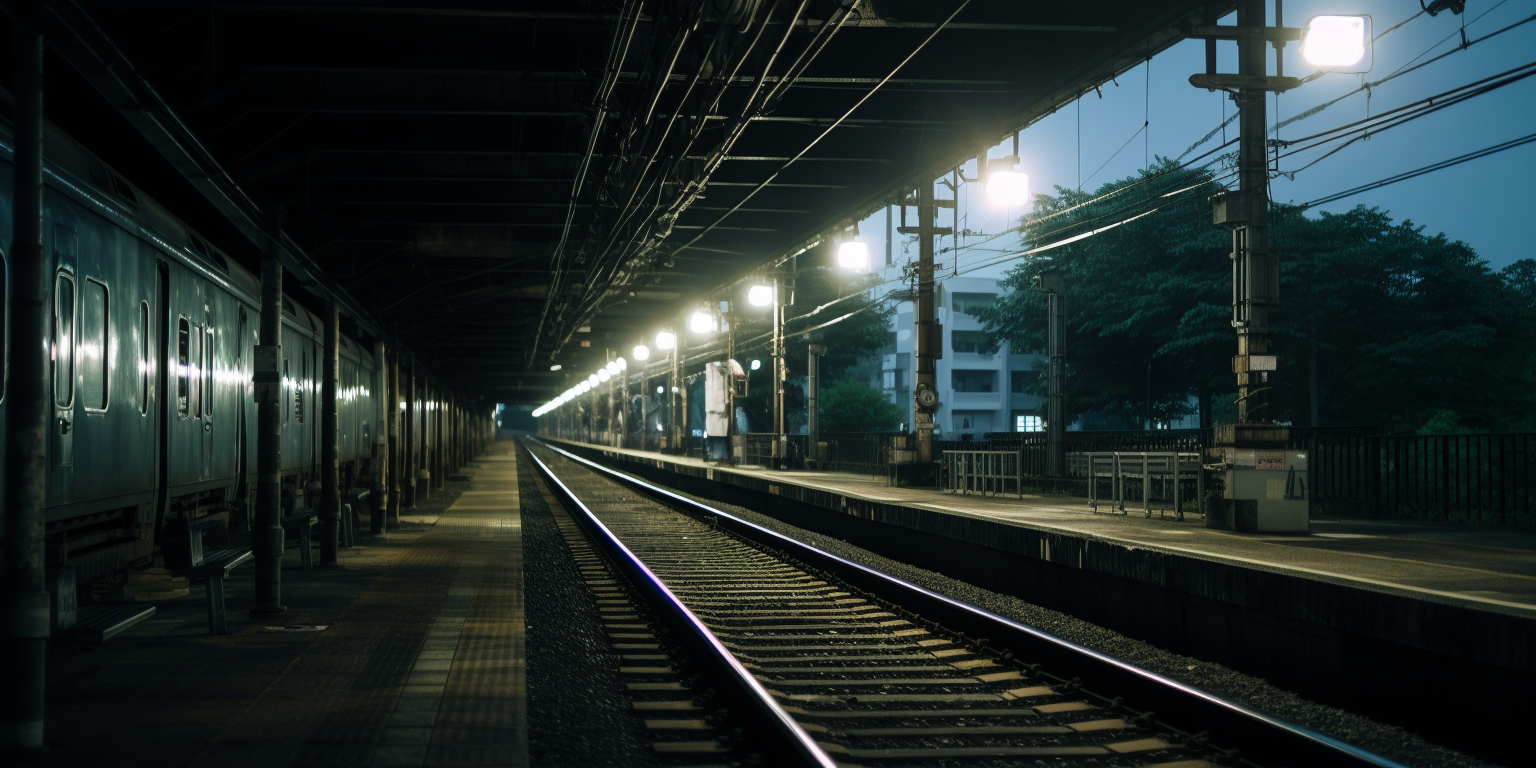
pixel 152 339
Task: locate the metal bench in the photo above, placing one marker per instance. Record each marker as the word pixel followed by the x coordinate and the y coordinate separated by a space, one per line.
pixel 99 623
pixel 1169 467
pixel 181 544
pixel 301 518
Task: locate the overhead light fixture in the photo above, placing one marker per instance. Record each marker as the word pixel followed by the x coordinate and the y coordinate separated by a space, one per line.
pixel 642 352
pixel 623 364
pixel 1008 189
pixel 603 374
pixel 555 367
pixel 756 364
pixel 701 322
pixel 760 295
pixel 853 254
pixel 592 380
pixel 666 340
pixel 612 367
pixel 1337 42
pixel 660 390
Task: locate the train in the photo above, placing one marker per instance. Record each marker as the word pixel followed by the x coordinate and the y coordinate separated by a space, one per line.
pixel 152 335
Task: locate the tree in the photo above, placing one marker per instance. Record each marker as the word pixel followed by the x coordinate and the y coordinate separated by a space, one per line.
pixel 1399 324
pixel 850 407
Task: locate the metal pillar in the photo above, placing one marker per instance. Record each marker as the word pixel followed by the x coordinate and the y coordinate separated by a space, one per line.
pixel 392 423
pixel 674 396
pixel 812 401
pixel 645 415
pixel 23 646
pixel 1255 268
pixel 330 468
pixel 780 422
pixel 928 340
pixel 267 533
pixel 408 475
pixel 381 474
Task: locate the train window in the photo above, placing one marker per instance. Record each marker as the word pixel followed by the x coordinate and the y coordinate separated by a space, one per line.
pixel 64 341
pixel 208 370
pixel 93 345
pixel 144 362
pixel 6 297
pixel 183 365
pixel 298 408
pixel 196 371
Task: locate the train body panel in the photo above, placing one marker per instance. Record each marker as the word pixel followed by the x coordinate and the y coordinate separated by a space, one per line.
pixel 151 344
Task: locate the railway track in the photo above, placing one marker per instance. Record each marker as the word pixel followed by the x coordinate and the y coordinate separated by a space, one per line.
pixel 836 664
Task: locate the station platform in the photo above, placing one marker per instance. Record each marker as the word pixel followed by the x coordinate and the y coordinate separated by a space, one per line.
pixel 409 654
pixel 1478 569
pixel 1355 603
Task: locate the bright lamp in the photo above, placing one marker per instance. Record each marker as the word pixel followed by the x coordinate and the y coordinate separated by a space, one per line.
pixel 1008 189
pixel 756 364
pixel 603 374
pixel 592 380
pixel 666 340
pixel 642 352
pixel 612 367
pixel 622 363
pixel 1335 41
pixel 701 322
pixel 853 254
pixel 760 295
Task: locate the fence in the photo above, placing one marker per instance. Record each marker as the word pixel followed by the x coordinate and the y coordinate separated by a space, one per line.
pixel 986 473
pixel 1171 477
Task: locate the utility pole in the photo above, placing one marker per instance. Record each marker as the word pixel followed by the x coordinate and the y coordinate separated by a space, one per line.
pixel 1049 282
pixel 928 344
pixel 674 396
pixel 813 400
pixel 267 536
pixel 1253 448
pixel 25 613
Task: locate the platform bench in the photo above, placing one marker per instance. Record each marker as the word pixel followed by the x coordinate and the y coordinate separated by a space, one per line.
pixel 182 547
pixel 98 623
pixel 300 518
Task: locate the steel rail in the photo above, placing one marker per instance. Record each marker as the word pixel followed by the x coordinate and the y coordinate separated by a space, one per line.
pixel 1283 743
pixel 786 740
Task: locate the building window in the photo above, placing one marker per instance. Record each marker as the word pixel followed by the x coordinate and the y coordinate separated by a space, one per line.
pixel 895 378
pixel 975 342
pixel 1025 423
pixel 965 303
pixel 973 381
pixel 1025 382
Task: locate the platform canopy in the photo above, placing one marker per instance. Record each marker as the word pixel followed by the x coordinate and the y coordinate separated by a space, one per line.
pixel 487 179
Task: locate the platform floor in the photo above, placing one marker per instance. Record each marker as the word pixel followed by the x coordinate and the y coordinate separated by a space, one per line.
pixel 420 663
pixel 1490 570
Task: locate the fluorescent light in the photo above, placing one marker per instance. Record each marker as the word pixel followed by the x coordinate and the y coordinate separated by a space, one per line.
pixel 760 295
pixel 642 352
pixel 612 367
pixel 701 322
pixel 756 364
pixel 1335 41
pixel 853 254
pixel 1007 189
pixel 592 380
pixel 660 390
pixel 603 374
pixel 666 340
pixel 622 363
pixel 555 367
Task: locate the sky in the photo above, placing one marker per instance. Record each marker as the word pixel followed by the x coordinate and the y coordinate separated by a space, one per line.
pixel 1487 203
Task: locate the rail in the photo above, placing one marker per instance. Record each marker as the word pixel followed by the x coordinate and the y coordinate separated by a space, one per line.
pixel 1279 742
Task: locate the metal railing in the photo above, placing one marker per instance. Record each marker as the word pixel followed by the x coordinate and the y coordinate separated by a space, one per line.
pixel 1158 475
pixel 983 473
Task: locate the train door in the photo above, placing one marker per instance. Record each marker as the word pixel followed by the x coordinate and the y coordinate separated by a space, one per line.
pixel 62 448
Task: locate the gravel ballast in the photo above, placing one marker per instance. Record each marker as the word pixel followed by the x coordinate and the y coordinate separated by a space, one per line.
pixel 1386 740
pixel 578 714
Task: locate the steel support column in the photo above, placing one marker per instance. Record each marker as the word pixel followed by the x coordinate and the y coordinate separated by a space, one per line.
pixel 408 476
pixel 1255 268
pixel 380 447
pixel 23 645
pixel 330 468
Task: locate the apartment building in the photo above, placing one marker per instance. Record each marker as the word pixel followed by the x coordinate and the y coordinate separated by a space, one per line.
pixel 980 391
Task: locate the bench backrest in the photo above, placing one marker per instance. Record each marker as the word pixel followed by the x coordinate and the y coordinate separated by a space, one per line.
pixel 181 541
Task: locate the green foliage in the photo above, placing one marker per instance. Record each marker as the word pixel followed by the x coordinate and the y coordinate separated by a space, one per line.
pixel 850 407
pixel 1403 325
pixel 1444 422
